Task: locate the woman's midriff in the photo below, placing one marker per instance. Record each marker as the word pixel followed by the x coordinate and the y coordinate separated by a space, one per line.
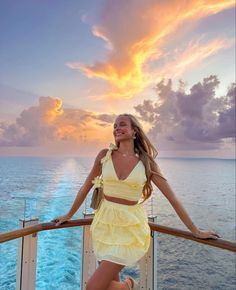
pixel 120 200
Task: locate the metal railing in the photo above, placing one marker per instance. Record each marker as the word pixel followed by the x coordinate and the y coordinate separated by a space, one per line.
pixel 219 243
pixel 27 250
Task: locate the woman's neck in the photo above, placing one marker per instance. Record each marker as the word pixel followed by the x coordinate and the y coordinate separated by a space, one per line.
pixel 126 148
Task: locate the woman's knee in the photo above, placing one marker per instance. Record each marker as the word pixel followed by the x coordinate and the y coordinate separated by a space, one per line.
pixel 89 286
pixel 109 271
pixel 93 286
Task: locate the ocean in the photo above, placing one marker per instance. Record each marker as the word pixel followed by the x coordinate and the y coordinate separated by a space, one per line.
pixel 46 187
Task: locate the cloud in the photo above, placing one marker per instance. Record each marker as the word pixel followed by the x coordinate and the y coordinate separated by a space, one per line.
pixel 135 41
pixel 226 119
pixel 181 60
pixel 197 120
pixel 176 120
pixel 49 122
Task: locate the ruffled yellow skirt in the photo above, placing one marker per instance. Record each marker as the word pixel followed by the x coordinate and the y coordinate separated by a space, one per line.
pixel 120 233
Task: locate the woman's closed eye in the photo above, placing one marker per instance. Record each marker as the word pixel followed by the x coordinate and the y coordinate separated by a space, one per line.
pixel 121 125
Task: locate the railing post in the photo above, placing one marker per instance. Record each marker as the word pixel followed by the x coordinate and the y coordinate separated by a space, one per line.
pixel 27 257
pixel 89 263
pixel 148 264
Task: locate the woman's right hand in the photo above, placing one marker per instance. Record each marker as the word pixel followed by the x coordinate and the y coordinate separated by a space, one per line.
pixel 61 219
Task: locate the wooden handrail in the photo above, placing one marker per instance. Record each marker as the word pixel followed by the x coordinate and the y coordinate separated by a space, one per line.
pixel 218 243
pixel 42 227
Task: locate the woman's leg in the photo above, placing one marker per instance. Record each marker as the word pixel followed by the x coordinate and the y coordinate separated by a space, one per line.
pixel 104 275
pixel 117 285
pixel 117 277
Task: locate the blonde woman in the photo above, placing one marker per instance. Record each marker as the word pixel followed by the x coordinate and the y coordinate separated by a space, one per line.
pixel 120 230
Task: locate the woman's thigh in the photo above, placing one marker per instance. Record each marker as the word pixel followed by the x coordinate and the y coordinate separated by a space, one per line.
pixel 117 277
pixel 103 275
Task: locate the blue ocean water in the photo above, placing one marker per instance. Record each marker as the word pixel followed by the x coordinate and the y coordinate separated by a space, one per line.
pixel 46 188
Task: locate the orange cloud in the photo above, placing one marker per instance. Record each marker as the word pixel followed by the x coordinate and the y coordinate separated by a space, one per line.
pixel 52 108
pixel 194 54
pixel 48 122
pixel 82 127
pixel 135 40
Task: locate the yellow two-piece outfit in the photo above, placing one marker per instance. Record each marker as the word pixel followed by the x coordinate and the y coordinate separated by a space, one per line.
pixel 120 233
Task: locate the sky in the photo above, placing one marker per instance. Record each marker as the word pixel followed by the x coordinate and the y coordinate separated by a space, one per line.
pixel 68 68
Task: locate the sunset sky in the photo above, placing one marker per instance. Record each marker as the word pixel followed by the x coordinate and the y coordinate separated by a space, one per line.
pixel 68 68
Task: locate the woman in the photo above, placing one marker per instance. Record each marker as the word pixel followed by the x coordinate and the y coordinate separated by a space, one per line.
pixel 120 230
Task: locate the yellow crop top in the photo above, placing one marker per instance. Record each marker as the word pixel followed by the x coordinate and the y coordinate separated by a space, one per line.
pixel 130 188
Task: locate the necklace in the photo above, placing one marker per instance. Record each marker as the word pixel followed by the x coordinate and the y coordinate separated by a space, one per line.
pixel 126 154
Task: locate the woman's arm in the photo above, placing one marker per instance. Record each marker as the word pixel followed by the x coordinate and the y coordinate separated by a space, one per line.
pixel 83 191
pixel 161 182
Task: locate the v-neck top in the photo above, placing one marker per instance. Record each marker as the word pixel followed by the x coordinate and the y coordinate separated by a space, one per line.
pixel 129 188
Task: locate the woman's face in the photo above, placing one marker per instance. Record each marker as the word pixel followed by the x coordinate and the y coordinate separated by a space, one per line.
pixel 122 129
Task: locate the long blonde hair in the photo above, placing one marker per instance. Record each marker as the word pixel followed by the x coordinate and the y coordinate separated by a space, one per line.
pixel 147 153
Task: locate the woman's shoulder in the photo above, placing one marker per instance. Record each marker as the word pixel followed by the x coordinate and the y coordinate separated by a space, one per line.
pixel 105 153
pixel 101 154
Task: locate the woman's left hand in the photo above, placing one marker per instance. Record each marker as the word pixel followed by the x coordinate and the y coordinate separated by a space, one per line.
pixel 201 234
